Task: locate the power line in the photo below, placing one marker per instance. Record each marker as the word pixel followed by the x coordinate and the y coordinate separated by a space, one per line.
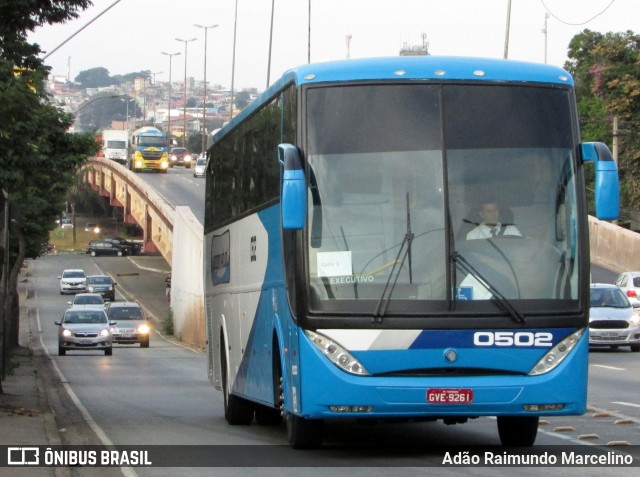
pixel 576 24
pixel 85 26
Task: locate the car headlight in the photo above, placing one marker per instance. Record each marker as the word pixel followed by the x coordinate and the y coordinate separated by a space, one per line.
pixel 143 329
pixel 187 158
pixel 66 333
pixel 635 319
pixel 90 289
pixel 105 332
pixel 174 158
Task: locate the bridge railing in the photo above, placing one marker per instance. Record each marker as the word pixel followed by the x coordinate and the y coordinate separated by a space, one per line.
pixel 174 232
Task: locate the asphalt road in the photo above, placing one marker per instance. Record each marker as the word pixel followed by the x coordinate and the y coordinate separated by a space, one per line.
pixel 161 395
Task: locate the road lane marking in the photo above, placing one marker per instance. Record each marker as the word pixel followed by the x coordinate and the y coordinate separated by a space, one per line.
pixel 608 367
pixel 126 471
pixel 626 404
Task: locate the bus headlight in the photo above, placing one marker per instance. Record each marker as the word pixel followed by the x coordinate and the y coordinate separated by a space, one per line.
pixel 557 354
pixel 337 354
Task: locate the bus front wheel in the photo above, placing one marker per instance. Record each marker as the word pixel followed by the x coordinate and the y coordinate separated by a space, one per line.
pixel 517 431
pixel 237 411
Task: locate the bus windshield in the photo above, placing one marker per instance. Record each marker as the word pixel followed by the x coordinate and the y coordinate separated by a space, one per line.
pixel 447 195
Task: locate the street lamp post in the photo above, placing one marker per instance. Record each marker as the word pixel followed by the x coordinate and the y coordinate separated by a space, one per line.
pixel 127 113
pixel 170 55
pixel 204 97
pixel 184 107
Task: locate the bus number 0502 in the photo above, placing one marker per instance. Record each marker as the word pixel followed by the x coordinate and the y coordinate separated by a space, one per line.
pixel 513 338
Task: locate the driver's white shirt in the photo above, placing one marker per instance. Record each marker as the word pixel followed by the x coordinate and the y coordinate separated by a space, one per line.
pixel 483 231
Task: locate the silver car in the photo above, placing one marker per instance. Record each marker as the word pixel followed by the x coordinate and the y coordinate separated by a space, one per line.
pixel 200 168
pixel 612 320
pixel 133 327
pixel 87 299
pixel 73 280
pixel 85 328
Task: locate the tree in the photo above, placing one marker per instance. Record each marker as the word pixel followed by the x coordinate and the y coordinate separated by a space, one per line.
pixel 606 68
pixel 95 78
pixel 38 157
pixel 241 99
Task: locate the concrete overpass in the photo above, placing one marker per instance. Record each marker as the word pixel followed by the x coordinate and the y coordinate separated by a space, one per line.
pixel 611 246
pixel 161 224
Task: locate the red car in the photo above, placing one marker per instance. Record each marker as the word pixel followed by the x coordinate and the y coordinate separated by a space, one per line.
pixel 180 156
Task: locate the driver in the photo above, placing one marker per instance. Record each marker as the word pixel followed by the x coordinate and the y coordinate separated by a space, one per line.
pixel 491 226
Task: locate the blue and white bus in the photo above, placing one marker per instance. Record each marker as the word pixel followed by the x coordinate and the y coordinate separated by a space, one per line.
pixel 340 280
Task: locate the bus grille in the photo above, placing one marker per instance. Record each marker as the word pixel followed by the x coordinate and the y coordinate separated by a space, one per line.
pixel 609 325
pixel 433 372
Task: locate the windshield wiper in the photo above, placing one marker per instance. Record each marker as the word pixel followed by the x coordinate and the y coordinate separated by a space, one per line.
pixel 380 309
pixel 498 298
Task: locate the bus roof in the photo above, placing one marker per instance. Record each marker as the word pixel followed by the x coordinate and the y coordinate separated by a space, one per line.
pixel 409 68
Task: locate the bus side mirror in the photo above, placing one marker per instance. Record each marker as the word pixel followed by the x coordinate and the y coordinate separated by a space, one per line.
pixel 607 184
pixel 294 189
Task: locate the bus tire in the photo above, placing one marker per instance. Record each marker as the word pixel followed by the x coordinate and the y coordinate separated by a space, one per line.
pixel 237 411
pixel 517 431
pixel 304 433
pixel 267 416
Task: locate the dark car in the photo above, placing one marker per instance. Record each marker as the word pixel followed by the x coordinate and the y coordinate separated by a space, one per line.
pixel 103 285
pixel 104 247
pixel 180 156
pixel 132 324
pixel 133 248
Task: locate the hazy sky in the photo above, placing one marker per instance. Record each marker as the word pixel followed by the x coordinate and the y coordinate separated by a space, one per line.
pixel 131 35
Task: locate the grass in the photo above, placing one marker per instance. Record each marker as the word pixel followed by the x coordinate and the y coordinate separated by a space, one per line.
pixel 62 239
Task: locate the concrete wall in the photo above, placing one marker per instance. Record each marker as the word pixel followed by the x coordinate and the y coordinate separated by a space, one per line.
pixel 613 247
pixel 187 300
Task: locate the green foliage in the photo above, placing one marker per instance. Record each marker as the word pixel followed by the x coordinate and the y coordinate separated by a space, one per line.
pixel 606 68
pixel 95 78
pixel 241 99
pixel 129 77
pixel 167 324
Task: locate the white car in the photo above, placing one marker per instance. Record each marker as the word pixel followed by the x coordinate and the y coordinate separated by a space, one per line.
pixel 612 320
pixel 73 280
pixel 200 168
pixel 629 283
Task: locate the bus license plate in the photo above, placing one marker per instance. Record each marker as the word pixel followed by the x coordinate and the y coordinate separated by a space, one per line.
pixel 449 396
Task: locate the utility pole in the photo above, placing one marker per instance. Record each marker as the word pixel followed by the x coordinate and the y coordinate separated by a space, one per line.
pixel 169 138
pixel 506 34
pixel 616 133
pixel 233 61
pixel 204 95
pixel 184 106
pixel 5 289
pixel 544 31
